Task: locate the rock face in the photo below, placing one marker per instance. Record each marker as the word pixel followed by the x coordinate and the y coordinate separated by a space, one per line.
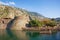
pixel 18 23
pixel 14 24
pixel 4 22
pixel 14 18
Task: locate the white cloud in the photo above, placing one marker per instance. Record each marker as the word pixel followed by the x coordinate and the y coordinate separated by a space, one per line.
pixel 7 3
pixel 12 3
pixel 4 3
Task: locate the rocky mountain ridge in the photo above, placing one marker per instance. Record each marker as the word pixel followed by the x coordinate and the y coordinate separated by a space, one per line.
pixel 15 18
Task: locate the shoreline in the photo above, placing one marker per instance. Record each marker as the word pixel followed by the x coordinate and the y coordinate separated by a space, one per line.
pixel 42 30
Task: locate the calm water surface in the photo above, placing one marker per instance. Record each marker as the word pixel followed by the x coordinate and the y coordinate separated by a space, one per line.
pixel 27 35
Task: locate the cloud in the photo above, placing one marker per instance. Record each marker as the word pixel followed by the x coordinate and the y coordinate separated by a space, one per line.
pixel 12 3
pixel 7 3
pixel 4 3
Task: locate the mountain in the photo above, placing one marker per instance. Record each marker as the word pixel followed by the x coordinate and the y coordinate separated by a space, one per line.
pixel 36 15
pixel 58 19
pixel 16 18
pixel 6 11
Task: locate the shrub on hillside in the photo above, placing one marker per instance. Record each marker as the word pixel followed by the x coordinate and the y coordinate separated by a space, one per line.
pixel 50 23
pixel 35 23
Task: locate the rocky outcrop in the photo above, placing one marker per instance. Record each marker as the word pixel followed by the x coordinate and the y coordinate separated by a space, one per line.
pixel 4 22
pixel 15 18
pixel 14 24
pixel 18 23
pixel 12 18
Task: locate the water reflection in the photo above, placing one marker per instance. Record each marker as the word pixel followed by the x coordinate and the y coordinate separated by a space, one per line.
pixel 11 35
pixel 32 34
pixel 27 35
pixel 38 36
pixel 17 35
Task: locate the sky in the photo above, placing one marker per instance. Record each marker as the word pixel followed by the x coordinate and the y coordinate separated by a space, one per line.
pixel 48 8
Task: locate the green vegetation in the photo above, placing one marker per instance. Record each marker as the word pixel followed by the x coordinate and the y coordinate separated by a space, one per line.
pixel 35 23
pixel 50 23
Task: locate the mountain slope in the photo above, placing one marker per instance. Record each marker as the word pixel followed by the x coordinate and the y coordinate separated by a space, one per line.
pixel 36 15
pixel 57 19
pixel 7 11
pixel 16 18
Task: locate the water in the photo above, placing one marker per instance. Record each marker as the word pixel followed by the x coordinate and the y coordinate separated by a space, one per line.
pixel 27 35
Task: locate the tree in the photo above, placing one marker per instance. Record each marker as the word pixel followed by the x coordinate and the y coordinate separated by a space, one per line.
pixel 35 23
pixel 49 23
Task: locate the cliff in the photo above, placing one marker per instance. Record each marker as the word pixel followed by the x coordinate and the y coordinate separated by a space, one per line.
pixel 15 18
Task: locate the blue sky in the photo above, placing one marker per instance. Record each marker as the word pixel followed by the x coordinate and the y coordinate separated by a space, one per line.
pixel 48 8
